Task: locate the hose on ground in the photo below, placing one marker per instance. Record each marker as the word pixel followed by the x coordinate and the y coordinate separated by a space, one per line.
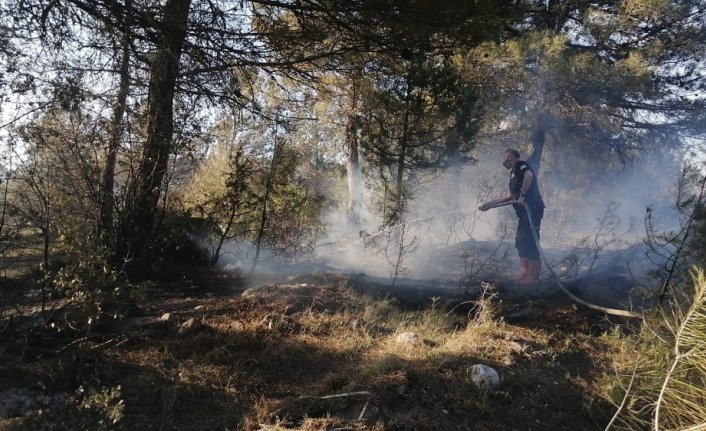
pixel 607 310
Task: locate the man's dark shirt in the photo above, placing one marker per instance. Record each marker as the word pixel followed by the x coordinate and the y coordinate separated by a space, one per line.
pixel 517 175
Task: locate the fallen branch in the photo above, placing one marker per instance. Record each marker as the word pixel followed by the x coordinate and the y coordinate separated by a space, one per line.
pixel 343 395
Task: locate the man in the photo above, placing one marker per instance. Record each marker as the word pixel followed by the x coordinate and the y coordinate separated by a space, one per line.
pixel 523 189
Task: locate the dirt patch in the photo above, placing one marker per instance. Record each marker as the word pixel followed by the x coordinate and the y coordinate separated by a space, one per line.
pixel 315 351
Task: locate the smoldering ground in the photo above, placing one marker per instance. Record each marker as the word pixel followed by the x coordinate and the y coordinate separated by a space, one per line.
pixel 593 236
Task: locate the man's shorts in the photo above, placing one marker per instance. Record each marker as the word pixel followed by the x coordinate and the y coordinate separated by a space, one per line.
pixel 524 240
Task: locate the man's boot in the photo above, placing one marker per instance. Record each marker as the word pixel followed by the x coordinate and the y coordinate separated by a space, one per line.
pixel 534 267
pixel 524 269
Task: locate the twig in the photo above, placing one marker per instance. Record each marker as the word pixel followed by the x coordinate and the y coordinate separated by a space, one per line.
pixel 74 342
pixel 362 413
pixel 625 399
pixel 326 397
pixel 678 355
pixel 98 346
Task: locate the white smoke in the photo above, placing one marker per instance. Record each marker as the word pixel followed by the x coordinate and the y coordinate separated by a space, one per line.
pixel 443 222
pixel 444 236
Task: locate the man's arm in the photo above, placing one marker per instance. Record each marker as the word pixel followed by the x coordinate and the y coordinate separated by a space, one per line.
pixel 502 199
pixel 526 183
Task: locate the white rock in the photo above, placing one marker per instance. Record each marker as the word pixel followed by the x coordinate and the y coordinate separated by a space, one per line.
pixel 255 291
pixel 411 339
pixel 484 377
pixel 190 325
pixel 166 317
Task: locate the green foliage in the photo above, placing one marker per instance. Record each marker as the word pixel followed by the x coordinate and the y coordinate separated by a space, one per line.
pixel 415 93
pixel 416 115
pixel 599 79
pixel 98 409
pixel 243 184
pixel 221 194
pixel 674 251
pixel 88 279
pixel 54 188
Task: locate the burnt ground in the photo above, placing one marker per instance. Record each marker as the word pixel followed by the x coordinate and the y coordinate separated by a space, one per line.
pixel 310 351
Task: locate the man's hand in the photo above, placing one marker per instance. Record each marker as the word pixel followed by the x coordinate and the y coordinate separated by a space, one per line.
pixel 520 200
pixel 484 207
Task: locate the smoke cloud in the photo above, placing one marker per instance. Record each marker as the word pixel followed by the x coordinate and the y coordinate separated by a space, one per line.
pixel 595 228
pixel 600 226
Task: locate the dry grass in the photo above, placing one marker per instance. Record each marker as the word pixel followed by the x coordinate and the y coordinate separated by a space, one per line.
pixel 660 378
pixel 264 364
pixel 21 256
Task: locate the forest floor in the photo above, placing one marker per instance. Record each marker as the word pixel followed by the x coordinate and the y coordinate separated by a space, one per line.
pixel 309 352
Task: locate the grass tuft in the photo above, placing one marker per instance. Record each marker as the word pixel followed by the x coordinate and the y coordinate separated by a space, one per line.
pixel 660 379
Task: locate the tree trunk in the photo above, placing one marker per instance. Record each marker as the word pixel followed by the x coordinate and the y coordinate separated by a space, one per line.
pixel 223 233
pixel 116 129
pixel 538 139
pixel 3 211
pixel 146 185
pixel 265 200
pixel 555 15
pixel 353 162
pixel 398 210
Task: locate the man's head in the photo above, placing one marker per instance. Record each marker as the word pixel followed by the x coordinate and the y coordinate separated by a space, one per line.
pixel 510 157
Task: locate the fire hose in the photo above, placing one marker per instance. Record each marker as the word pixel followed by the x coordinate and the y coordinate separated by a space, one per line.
pixel 607 310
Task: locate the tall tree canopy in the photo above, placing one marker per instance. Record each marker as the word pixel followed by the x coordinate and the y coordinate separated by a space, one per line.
pixel 191 53
pixel 421 78
pixel 605 78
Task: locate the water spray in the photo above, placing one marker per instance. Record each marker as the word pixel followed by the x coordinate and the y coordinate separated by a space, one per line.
pixel 435 216
pixel 607 310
